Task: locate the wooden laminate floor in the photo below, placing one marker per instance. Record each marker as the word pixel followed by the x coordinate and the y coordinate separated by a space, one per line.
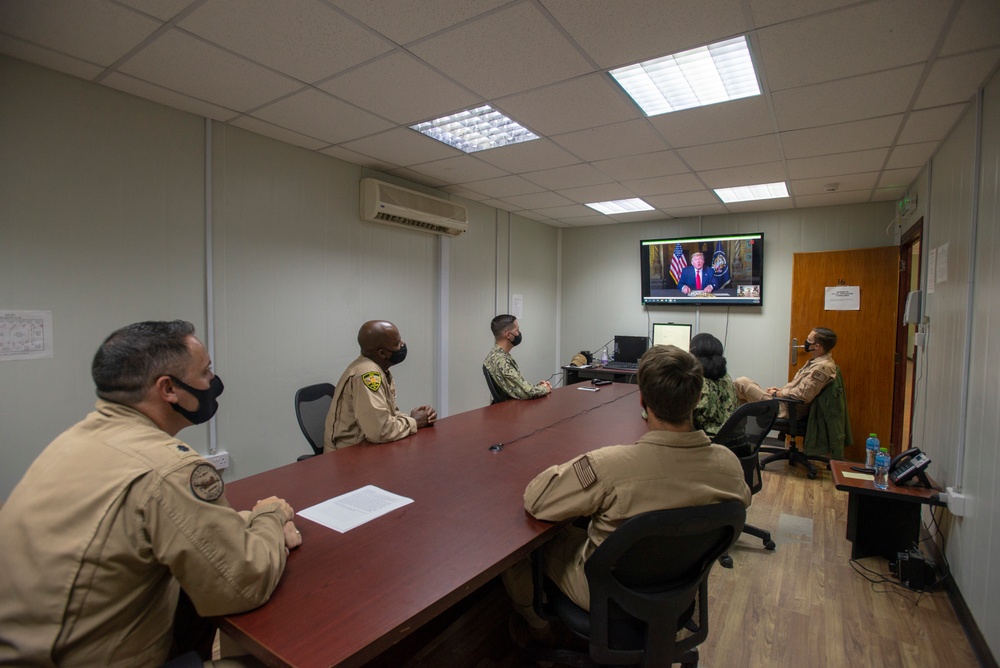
pixel 801 605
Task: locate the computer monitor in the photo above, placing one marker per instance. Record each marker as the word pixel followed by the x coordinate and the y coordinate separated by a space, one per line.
pixel 629 349
pixel 670 334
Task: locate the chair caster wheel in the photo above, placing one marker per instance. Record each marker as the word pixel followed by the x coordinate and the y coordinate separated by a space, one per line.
pixel 769 545
pixel 726 561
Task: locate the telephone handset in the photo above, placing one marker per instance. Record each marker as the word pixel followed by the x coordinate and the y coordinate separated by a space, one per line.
pixel 908 464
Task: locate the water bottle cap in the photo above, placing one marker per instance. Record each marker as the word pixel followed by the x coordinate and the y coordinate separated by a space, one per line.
pixel 886 450
pixel 872 434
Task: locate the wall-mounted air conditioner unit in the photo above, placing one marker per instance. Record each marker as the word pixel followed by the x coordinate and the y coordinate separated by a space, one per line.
pixel 383 202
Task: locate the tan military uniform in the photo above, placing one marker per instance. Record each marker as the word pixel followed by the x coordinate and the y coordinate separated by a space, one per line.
pixel 104 527
pixel 662 470
pixel 807 383
pixel 364 408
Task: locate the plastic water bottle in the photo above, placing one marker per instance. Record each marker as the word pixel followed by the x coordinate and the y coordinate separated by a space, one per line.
pixel 871 449
pixel 882 469
pixel 604 356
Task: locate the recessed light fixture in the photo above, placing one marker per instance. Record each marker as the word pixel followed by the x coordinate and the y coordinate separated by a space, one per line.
pixel 747 193
pixel 620 206
pixel 701 76
pixel 475 130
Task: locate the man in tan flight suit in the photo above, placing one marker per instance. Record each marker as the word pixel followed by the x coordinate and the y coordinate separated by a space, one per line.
pixel 117 515
pixel 672 466
pixel 817 373
pixel 364 403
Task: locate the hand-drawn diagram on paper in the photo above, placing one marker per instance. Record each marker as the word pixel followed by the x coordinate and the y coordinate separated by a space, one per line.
pixel 25 335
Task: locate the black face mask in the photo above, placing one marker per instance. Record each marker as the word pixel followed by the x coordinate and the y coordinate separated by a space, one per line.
pixel 207 400
pixel 808 346
pixel 398 355
pixel 517 340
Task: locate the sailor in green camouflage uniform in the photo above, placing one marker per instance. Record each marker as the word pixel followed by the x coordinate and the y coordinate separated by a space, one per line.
pixel 501 366
pixel 718 394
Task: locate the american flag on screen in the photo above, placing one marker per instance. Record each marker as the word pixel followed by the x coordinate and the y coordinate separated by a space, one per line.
pixel 677 263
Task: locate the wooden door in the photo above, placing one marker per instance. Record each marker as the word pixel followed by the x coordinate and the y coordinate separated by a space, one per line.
pixel 866 338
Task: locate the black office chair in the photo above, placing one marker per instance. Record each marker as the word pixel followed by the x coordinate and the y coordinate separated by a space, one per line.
pixel 743 433
pixel 832 432
pixel 312 403
pixel 496 393
pixel 648 588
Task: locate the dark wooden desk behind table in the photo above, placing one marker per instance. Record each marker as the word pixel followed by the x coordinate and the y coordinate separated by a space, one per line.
pixel 344 598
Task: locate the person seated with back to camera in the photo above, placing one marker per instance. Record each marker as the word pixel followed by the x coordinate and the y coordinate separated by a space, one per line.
pixel 674 465
pixel 501 365
pixel 718 395
pixel 696 277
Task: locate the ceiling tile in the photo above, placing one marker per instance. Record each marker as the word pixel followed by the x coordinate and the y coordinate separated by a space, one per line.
pixel 509 50
pixel 567 177
pixel 769 12
pixel 737 119
pixel 930 124
pixel 677 200
pixel 603 192
pixel 576 104
pixel 161 9
pixel 612 141
pixel 848 42
pixel 194 68
pixel 504 186
pixel 695 211
pixel 170 98
pixel 305 39
pixel 319 115
pixel 500 204
pixel 462 191
pixel 977 26
pixel 956 79
pixel 404 22
pixel 401 88
pixel 869 96
pixel 911 155
pixel 840 138
pixel 854 162
pixel 749 175
pixel 587 221
pixel 403 147
pixel 534 215
pixel 358 159
pixel 896 178
pixel 38 55
pixel 761 205
pixel 661 163
pixel 833 199
pixel 542 200
pixel 731 153
pixel 665 185
pixel 649 28
pixel 281 134
pixel 417 177
pixel 460 169
pixel 888 194
pixel 572 211
pixel 843 183
pixel 528 156
pixel 92 30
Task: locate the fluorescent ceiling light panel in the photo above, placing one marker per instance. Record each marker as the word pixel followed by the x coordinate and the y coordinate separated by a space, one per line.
pixel 475 130
pixel 704 75
pixel 747 193
pixel 620 206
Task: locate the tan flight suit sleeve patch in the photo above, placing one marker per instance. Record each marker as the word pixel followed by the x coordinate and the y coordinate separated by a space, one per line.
pixel 584 472
pixel 372 380
pixel 206 482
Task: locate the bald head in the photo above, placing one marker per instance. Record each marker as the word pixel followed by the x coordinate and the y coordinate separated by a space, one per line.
pixel 378 340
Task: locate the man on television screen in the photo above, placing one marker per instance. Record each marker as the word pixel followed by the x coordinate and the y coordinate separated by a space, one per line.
pixel 696 277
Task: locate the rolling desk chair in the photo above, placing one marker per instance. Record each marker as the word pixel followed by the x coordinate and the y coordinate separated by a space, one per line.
pixel 312 403
pixel 825 428
pixel 648 588
pixel 743 433
pixel 495 393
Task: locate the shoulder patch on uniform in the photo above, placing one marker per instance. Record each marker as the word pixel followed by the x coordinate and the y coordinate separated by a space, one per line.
pixel 372 380
pixel 821 374
pixel 206 482
pixel 584 473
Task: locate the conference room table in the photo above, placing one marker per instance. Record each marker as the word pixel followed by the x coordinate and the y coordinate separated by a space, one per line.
pixel 346 597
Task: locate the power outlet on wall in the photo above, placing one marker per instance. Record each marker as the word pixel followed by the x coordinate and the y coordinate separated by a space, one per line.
pixel 219 460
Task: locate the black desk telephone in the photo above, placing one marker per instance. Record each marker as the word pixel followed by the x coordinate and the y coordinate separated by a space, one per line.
pixel 908 464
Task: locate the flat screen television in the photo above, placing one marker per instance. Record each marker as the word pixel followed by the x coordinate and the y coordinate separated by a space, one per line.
pixel 732 270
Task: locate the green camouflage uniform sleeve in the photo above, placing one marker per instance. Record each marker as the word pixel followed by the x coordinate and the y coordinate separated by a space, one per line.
pixel 717 403
pixel 507 377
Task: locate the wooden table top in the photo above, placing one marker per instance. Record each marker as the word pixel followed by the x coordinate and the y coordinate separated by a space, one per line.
pixel 904 493
pixel 346 597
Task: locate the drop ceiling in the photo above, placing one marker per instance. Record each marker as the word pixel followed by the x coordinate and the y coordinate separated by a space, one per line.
pixel 856 96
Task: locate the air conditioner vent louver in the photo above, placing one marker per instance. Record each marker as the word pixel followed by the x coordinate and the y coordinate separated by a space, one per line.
pixel 385 203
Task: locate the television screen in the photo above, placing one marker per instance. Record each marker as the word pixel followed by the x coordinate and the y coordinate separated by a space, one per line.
pixel 699 270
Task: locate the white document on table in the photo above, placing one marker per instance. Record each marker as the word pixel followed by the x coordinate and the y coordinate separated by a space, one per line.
pixel 344 512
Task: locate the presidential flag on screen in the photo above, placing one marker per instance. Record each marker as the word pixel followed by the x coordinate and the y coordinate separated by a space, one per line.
pixel 721 266
pixel 677 263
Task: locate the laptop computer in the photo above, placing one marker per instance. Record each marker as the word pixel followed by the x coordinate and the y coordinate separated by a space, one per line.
pixel 628 350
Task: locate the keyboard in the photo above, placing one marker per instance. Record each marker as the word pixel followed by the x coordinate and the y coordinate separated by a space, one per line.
pixel 621 365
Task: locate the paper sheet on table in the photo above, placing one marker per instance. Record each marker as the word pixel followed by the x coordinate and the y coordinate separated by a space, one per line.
pixel 344 512
pixel 858 476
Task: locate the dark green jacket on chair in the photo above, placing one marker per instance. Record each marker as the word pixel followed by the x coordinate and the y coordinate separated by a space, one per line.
pixel 828 430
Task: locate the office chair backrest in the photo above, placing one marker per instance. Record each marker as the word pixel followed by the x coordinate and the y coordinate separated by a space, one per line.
pixel 312 403
pixel 495 393
pixel 651 573
pixel 744 432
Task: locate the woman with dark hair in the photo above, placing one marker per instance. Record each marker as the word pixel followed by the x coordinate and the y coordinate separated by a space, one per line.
pixel 718 395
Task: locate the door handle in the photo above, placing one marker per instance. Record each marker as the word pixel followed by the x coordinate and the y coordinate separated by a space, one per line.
pixel 793 354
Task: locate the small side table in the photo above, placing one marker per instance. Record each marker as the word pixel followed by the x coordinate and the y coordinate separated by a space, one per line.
pixel 881 522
